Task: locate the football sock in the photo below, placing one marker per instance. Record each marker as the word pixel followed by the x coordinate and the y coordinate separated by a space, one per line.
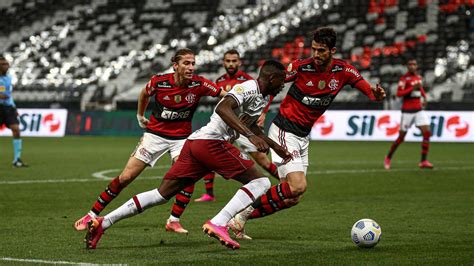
pixel 242 198
pixel 425 145
pixel 272 201
pixel 209 183
pixel 182 200
pixel 395 144
pixel 112 191
pixel 273 170
pixel 134 206
pixel 16 149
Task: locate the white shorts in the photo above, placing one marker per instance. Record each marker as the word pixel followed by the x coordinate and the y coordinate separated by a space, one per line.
pixel 297 146
pixel 245 144
pixel 151 147
pixel 420 118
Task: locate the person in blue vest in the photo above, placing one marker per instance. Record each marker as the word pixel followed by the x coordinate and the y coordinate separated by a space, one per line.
pixel 8 112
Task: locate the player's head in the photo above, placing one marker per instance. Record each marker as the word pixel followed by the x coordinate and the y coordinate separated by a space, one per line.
pixel 323 45
pixel 272 77
pixel 4 66
pixel 412 65
pixel 184 63
pixel 232 62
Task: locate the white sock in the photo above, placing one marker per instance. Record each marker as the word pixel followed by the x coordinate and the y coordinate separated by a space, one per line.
pixel 173 219
pixel 92 214
pixel 145 200
pixel 241 200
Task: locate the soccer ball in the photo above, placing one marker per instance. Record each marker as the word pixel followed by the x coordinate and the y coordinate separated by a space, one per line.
pixel 366 233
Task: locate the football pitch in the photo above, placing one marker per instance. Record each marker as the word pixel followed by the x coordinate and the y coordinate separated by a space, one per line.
pixel 426 216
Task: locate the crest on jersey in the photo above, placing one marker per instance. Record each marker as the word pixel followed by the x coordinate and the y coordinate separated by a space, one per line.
pixel 321 84
pixel 177 98
pixel 333 84
pixel 239 89
pixel 190 98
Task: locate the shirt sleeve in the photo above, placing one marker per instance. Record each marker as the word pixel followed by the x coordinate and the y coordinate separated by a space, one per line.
pixel 402 89
pixel 291 71
pixel 352 75
pixel 363 86
pixel 150 86
pixel 209 88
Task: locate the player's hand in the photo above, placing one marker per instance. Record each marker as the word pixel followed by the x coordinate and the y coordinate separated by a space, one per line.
pixel 283 153
pixel 142 121
pixel 379 92
pixel 262 146
pixel 261 120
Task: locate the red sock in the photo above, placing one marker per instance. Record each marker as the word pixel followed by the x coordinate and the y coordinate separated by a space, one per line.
pixel 182 200
pixel 273 170
pixel 112 191
pixel 425 145
pixel 395 144
pixel 209 183
pixel 272 201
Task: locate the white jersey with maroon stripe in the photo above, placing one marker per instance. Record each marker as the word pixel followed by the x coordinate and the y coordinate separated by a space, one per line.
pixel 251 103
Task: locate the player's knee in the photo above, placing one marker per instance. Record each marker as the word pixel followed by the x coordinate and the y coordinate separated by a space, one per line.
pixel 292 202
pixel 298 189
pixel 126 178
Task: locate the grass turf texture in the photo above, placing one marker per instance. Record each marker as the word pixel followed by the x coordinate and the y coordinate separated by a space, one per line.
pixel 425 215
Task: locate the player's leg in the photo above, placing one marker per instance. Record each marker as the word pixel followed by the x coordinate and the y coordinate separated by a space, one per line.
pixel 136 205
pixel 209 185
pixel 263 160
pixel 12 122
pixel 148 151
pixel 423 123
pixel 406 122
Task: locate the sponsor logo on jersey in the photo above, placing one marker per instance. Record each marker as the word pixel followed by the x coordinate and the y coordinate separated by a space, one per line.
pixel 177 98
pixel 166 98
pixel 194 84
pixel 322 84
pixel 316 101
pixel 353 71
pixel 337 68
pixel 309 84
pixel 190 98
pixel 241 78
pixel 209 86
pixel 333 84
pixel 163 84
pixel 172 115
pixel 308 68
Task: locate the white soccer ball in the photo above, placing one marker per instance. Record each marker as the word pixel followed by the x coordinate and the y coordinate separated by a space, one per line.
pixel 366 233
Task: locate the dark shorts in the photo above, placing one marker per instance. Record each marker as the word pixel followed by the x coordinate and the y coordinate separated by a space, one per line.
pixel 199 157
pixel 8 115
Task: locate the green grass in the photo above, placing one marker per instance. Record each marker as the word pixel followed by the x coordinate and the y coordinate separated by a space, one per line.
pixel 426 215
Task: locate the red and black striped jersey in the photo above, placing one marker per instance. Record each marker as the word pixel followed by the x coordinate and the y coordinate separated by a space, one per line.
pixel 226 82
pixel 313 91
pixel 411 97
pixel 174 105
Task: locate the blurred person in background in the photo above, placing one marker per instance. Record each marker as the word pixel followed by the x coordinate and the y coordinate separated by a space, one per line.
pixel 8 112
pixel 411 91
pixel 176 98
pixel 316 82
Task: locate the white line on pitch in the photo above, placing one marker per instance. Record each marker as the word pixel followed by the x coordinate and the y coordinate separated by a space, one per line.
pixel 321 172
pixel 48 261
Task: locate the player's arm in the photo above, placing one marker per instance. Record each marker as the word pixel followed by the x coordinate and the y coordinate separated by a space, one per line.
pixel 375 93
pixel 282 152
pixel 402 88
pixel 143 100
pixel 225 109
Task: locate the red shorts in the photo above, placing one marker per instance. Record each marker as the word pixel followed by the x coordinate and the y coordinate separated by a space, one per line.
pixel 199 157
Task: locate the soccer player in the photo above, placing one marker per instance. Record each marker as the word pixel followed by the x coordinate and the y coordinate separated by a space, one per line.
pixel 234 75
pixel 316 82
pixel 411 90
pixel 8 112
pixel 176 98
pixel 209 148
